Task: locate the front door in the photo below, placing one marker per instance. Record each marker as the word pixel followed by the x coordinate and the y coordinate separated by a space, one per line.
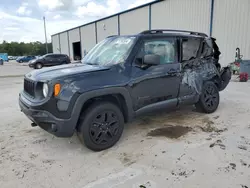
pixel 49 61
pixel 156 83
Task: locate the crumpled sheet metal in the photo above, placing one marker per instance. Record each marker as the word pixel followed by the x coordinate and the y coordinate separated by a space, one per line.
pixel 197 73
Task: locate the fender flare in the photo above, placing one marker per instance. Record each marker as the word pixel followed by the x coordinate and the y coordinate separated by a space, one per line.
pixel 82 98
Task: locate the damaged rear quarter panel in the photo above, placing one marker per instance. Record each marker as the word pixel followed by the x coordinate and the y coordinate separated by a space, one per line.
pixel 195 72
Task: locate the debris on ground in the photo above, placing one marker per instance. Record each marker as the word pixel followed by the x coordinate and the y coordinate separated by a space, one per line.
pixel 243 163
pixel 48 161
pixel 208 126
pixel 146 185
pixel 183 173
pixel 170 131
pixel 218 143
pixel 216 117
pixel 179 158
pixel 233 165
pixel 242 147
pixel 39 141
pixel 244 186
pixel 126 159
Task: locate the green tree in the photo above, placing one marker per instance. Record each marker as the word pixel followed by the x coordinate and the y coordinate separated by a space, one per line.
pixel 21 49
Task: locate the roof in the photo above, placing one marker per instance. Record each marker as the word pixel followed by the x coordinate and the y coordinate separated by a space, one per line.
pixel 144 5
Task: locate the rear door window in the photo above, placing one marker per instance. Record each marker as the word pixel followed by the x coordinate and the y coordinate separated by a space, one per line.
pixel 165 48
pixel 190 48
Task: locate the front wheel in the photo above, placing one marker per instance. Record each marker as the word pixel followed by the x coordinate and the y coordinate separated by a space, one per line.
pixel 209 98
pixel 101 126
pixel 38 66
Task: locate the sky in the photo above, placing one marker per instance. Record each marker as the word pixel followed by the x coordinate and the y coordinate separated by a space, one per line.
pixel 22 20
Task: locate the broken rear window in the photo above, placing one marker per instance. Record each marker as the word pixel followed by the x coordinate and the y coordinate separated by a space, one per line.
pixel 190 48
pixel 206 50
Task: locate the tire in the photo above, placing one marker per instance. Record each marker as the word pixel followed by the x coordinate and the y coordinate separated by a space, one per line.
pixel 209 98
pixel 101 126
pixel 21 61
pixel 38 66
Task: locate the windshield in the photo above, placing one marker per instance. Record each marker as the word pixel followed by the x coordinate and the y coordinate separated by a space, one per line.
pixel 111 51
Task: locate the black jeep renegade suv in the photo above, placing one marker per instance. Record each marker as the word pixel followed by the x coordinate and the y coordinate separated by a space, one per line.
pixel 121 77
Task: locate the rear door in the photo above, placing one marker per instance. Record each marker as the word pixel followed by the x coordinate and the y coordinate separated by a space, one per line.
pixel 154 84
pixel 190 51
pixel 57 58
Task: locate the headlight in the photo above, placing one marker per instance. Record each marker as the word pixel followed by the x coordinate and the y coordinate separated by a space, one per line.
pixel 45 89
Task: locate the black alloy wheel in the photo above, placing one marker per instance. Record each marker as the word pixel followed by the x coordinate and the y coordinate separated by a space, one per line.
pixel 101 126
pixel 104 127
pixel 209 98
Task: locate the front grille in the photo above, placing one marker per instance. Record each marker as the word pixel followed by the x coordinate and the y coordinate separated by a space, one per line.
pixel 29 87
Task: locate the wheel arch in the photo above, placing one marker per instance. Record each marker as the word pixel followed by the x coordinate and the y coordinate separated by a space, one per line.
pixel 119 96
pixel 216 81
pixel 40 62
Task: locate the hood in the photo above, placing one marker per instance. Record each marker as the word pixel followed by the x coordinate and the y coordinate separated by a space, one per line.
pixel 46 74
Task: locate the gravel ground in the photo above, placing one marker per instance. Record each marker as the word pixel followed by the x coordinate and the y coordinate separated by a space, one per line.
pixel 178 149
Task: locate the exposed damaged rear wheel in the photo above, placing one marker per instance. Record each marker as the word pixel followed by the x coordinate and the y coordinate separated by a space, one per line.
pixel 209 98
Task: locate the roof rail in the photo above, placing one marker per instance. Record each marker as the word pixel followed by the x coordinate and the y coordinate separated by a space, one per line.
pixel 155 31
pixel 111 36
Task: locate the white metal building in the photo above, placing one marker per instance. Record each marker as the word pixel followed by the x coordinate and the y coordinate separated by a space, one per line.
pixel 226 20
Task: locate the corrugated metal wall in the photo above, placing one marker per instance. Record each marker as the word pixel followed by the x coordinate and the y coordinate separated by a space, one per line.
pixel 135 21
pixel 74 36
pixel 64 43
pixel 107 27
pixel 181 14
pixel 88 37
pixel 56 44
pixel 231 24
pixel 231 28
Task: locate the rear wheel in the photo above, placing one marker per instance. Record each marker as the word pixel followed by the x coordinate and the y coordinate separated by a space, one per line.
pixel 101 126
pixel 38 66
pixel 209 98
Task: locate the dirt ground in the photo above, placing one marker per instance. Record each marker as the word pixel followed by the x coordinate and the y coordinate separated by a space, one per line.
pixel 176 149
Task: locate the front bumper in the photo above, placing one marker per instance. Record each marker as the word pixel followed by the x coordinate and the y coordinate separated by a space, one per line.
pixel 47 121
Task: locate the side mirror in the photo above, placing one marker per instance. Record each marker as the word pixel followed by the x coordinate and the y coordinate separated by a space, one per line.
pixel 152 59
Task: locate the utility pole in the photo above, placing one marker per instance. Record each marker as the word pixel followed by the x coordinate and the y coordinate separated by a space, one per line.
pixel 45 34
